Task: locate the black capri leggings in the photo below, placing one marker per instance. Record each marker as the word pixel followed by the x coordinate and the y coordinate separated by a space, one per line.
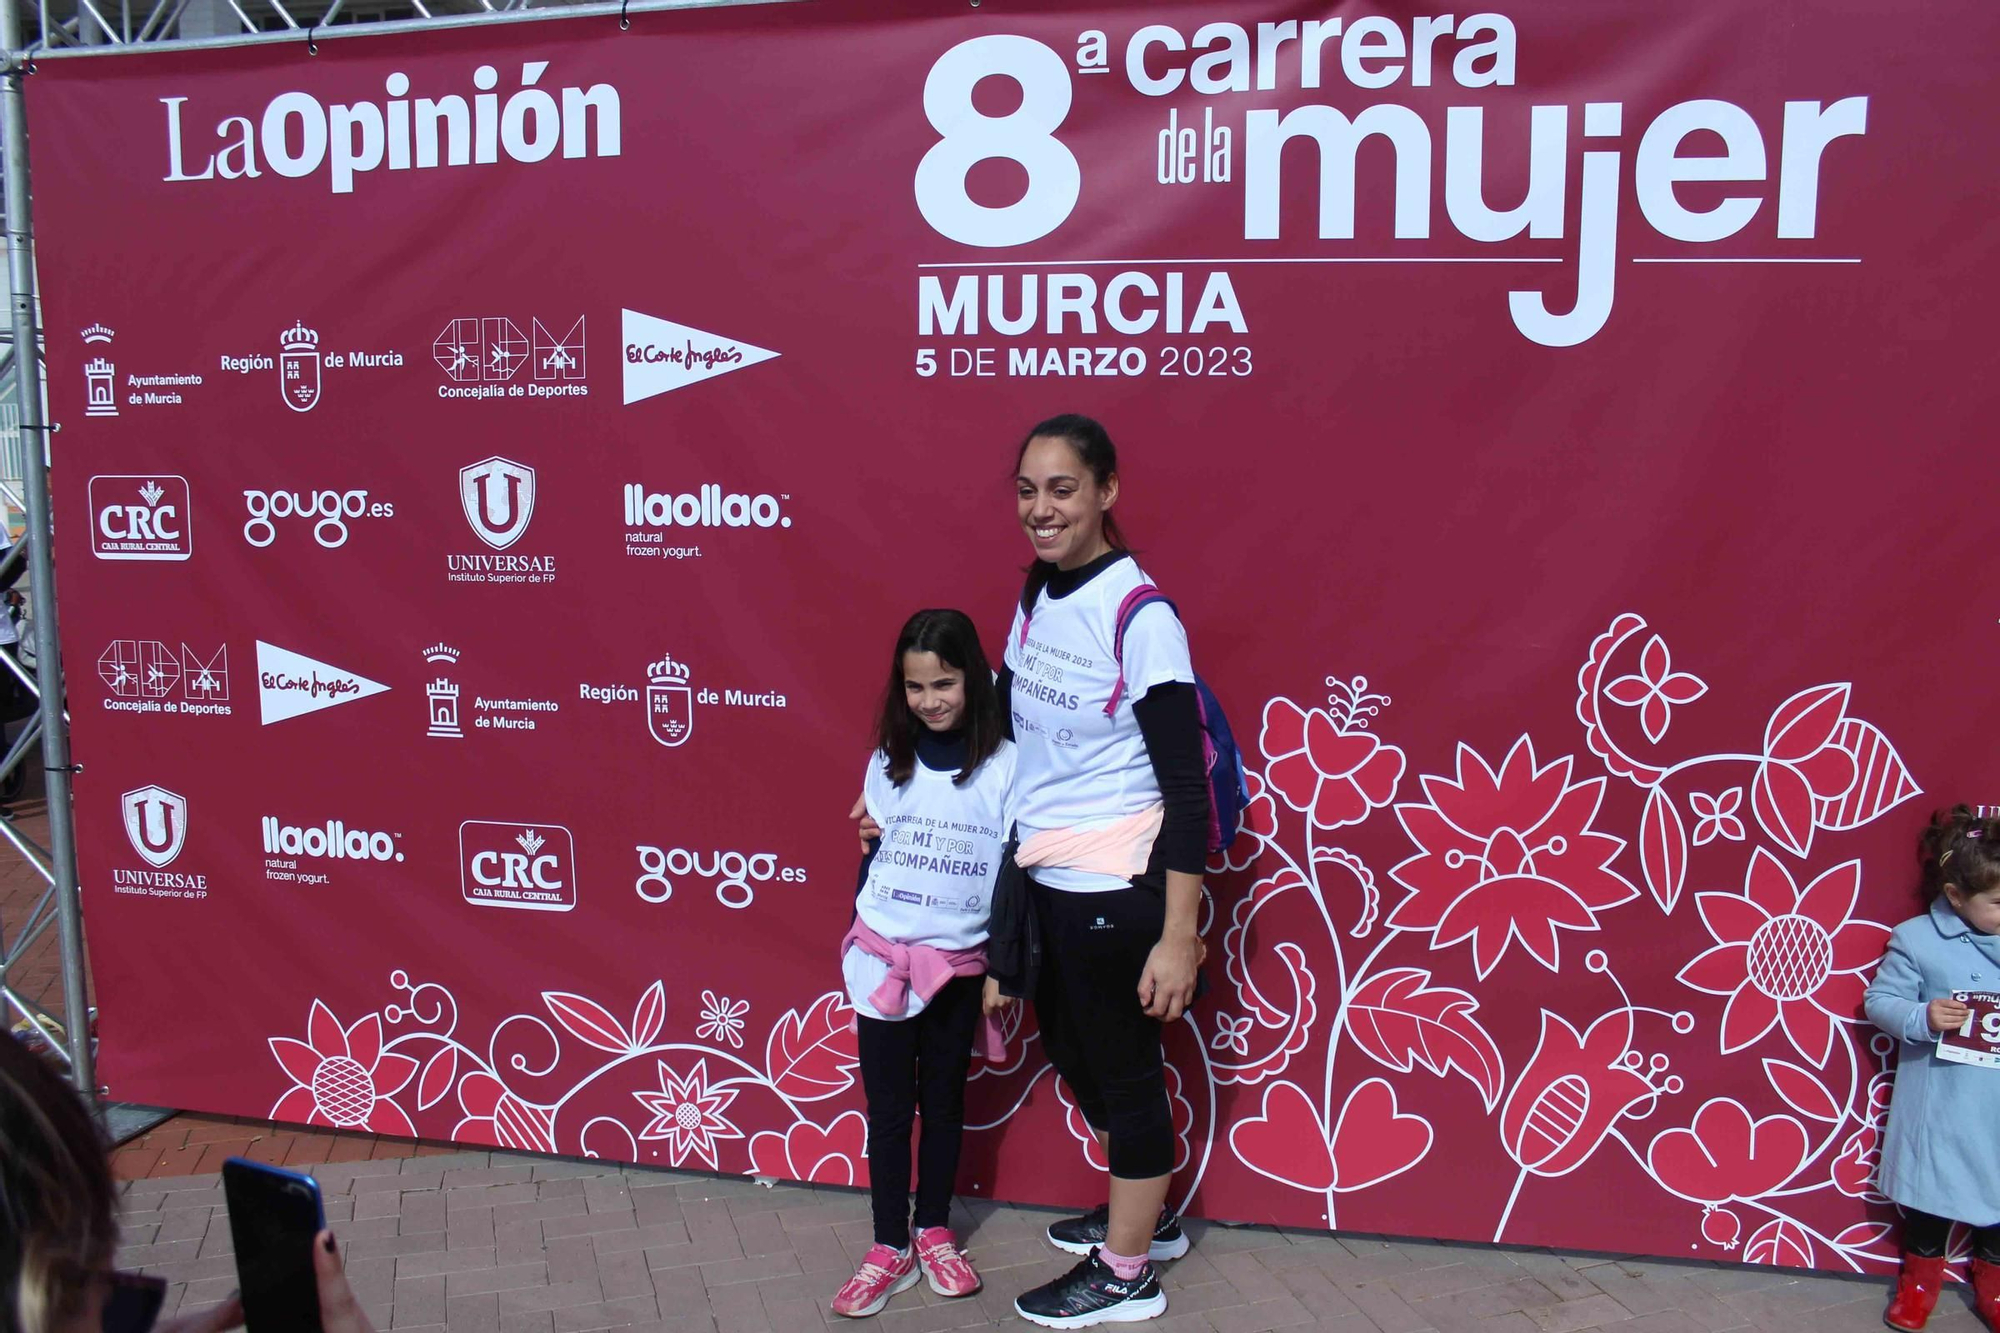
pixel 1925 1235
pixel 1094 948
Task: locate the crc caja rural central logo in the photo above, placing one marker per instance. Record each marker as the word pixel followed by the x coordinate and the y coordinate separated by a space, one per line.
pixel 141 518
pixel 529 866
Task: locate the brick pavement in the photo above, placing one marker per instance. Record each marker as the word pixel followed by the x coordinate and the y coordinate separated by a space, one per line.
pixel 478 1242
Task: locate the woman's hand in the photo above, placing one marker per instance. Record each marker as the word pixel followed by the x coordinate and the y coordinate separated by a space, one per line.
pixel 1947 1014
pixel 339 1312
pixel 870 830
pixel 1166 987
pixel 990 998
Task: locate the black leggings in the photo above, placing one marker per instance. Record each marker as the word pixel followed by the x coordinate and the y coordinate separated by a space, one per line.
pixel 913 1065
pixel 1925 1235
pixel 1094 949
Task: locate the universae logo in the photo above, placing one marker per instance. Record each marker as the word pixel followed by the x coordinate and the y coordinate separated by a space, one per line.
pixel 498 496
pixel 155 823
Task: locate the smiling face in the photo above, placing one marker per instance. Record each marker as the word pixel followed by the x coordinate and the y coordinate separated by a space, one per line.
pixel 1979 910
pixel 934 690
pixel 1060 505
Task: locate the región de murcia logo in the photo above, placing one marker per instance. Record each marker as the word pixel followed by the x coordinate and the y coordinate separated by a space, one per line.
pixel 669 701
pixel 298 367
pixel 671 696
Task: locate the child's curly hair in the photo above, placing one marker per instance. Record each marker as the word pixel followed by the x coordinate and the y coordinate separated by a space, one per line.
pixel 1961 847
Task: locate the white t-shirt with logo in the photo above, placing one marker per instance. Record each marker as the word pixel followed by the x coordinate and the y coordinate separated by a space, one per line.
pixel 931 881
pixel 1078 768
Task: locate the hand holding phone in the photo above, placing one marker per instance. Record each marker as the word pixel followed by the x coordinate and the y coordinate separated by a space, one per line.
pixel 275 1217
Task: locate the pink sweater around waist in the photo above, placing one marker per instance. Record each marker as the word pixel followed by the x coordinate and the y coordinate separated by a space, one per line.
pixel 922 969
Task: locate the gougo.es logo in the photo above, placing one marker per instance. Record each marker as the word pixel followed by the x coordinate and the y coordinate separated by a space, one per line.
pixel 733 875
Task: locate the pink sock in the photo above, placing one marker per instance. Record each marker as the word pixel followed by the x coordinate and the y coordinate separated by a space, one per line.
pixel 1124 1265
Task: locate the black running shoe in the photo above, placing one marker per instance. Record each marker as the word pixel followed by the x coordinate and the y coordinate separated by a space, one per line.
pixel 1081 1235
pixel 1090 1294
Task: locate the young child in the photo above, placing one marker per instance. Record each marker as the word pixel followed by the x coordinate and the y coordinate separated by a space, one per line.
pixel 1941 1157
pixel 915 958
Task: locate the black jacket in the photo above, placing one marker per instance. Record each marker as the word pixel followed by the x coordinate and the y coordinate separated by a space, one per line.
pixel 1014 938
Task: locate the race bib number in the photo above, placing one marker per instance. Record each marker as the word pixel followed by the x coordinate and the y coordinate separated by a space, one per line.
pixel 1977 1040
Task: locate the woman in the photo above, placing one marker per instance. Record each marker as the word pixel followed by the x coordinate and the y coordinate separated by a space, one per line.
pixel 1112 814
pixel 59 1232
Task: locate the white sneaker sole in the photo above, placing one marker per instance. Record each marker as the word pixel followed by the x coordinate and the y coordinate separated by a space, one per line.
pixel 903 1283
pixel 1156 1251
pixel 1129 1312
pixel 950 1295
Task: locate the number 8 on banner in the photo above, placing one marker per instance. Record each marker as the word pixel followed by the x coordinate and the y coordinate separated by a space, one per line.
pixel 1025 135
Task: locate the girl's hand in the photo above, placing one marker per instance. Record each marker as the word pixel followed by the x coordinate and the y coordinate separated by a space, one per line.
pixel 990 998
pixel 1947 1014
pixel 1166 987
pixel 870 830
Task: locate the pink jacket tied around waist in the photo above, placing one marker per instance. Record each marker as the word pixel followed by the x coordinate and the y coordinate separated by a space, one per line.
pixel 1121 847
pixel 925 970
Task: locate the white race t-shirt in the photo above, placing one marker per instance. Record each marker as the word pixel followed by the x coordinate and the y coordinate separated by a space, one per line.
pixel 1078 768
pixel 931 881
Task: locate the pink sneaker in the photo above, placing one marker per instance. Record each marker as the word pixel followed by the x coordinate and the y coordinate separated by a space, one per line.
pixel 882 1274
pixel 948 1270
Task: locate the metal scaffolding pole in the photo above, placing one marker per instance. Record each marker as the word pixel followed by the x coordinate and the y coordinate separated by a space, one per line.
pixel 41 564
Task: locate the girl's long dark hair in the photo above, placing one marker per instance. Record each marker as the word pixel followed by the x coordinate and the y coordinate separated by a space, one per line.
pixel 949 634
pixel 1099 457
pixel 1960 847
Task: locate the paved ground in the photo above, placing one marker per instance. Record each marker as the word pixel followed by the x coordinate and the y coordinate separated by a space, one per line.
pixel 474 1242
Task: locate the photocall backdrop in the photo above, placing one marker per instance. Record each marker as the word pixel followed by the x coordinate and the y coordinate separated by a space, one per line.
pixel 494 465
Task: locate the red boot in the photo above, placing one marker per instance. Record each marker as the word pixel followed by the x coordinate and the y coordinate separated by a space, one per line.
pixel 1916 1293
pixel 1986 1292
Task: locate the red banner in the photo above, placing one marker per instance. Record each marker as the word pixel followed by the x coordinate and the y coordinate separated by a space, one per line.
pixel 494 464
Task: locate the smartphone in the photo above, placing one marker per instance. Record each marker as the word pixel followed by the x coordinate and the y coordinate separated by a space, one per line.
pixel 273 1216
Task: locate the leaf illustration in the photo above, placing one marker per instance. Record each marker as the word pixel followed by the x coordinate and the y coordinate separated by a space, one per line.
pixel 1804 723
pixel 1780 1241
pixel 1663 849
pixel 1802 1091
pixel 588 1021
pixel 440 1072
pixel 649 1016
pixel 1881 781
pixel 812 1055
pixel 1400 1023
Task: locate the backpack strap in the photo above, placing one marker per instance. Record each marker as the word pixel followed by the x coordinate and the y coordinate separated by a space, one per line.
pixel 1140 597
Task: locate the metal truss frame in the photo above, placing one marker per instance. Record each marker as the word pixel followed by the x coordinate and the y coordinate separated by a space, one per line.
pixel 93 31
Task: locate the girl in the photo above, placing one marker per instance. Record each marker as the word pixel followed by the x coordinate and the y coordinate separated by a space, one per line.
pixel 1112 814
pixel 1941 1157
pixel 937 788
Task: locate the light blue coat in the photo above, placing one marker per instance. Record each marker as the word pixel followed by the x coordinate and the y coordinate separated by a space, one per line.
pixel 1942 1150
